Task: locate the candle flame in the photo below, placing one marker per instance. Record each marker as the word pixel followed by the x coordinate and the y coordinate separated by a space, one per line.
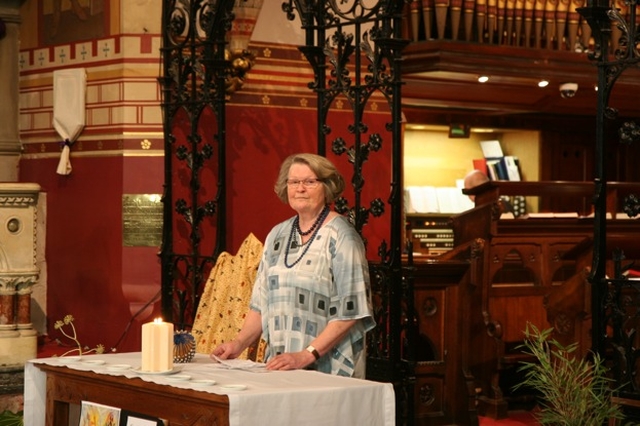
pixel 157 320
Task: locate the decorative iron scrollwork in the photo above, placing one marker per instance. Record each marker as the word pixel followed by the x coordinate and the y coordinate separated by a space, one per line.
pixel 194 87
pixel 615 308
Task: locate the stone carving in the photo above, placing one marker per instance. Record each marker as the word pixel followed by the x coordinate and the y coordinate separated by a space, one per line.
pixel 18 271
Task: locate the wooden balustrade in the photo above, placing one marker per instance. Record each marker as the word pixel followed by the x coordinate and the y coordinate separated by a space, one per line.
pixel 576 195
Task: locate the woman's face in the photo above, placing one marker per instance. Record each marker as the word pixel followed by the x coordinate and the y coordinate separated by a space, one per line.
pixel 306 193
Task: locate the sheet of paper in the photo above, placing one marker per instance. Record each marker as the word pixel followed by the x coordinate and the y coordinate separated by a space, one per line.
pixel 137 421
pixel 491 149
pixel 240 364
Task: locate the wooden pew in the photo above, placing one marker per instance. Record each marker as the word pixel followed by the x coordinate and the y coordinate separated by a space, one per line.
pixel 535 270
pixel 443 333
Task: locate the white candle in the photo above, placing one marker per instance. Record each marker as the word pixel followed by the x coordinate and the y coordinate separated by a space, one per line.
pixel 157 346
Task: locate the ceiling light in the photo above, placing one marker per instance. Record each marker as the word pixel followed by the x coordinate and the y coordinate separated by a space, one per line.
pixel 483 79
pixel 543 83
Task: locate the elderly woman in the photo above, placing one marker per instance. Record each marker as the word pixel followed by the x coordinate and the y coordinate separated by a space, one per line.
pixel 311 298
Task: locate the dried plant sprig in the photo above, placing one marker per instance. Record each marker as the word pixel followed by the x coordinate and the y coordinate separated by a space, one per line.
pixel 73 336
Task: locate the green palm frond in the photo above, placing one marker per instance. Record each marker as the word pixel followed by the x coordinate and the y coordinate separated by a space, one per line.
pixel 7 418
pixel 574 391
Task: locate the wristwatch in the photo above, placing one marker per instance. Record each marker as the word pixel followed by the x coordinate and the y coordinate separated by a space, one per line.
pixel 313 351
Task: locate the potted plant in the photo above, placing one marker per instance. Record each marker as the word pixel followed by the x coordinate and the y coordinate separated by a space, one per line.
pixel 574 391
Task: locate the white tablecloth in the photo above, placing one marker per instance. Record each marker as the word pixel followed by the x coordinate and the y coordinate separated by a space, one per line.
pixel 272 398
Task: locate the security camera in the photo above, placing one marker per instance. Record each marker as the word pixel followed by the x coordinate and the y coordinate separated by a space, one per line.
pixel 568 90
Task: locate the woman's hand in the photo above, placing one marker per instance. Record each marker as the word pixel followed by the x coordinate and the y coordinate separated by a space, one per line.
pixel 291 361
pixel 250 332
pixel 228 350
pixel 329 337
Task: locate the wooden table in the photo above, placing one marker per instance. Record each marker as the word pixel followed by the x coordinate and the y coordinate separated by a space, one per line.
pixel 180 407
pixel 269 398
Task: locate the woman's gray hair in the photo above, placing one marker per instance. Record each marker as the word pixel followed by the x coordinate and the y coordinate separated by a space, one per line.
pixel 327 173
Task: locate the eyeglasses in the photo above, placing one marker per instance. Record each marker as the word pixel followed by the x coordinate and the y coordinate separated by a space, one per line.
pixel 307 183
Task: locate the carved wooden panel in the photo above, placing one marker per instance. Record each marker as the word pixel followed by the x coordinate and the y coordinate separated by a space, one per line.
pixel 443 394
pixel 181 407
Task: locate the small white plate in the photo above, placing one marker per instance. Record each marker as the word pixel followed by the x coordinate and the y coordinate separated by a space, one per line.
pixel 174 370
pixel 94 361
pixel 233 387
pixel 69 359
pixel 118 367
pixel 179 377
pixel 203 382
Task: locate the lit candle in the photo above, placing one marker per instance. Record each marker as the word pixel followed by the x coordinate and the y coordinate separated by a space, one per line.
pixel 157 346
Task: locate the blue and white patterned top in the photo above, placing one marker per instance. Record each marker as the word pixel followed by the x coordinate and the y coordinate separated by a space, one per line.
pixel 331 282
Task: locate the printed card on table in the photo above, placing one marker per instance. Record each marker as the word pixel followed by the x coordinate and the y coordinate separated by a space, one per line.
pixel 130 418
pixel 94 414
pixel 137 421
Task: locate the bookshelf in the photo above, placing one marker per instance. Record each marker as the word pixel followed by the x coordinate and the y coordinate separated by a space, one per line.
pixel 433 159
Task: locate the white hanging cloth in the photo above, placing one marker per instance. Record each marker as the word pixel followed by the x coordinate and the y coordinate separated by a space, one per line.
pixel 69 88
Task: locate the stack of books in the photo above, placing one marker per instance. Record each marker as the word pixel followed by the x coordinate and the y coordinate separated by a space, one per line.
pixel 498 166
pixel 495 164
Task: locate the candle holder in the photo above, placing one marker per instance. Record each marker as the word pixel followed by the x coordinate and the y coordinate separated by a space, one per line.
pixel 184 347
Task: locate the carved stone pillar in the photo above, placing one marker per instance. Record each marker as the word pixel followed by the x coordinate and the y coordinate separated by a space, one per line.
pixel 10 146
pixel 7 304
pixel 18 271
pixel 23 315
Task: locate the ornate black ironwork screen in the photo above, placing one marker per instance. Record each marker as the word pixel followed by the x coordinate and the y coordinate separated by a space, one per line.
pixel 355 49
pixel 615 298
pixel 193 91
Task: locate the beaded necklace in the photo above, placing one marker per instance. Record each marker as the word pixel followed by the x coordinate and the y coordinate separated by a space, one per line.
pixel 296 225
pixel 295 228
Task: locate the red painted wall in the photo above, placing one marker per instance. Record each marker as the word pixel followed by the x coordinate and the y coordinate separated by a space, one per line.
pixel 103 284
pixel 260 138
pixel 87 266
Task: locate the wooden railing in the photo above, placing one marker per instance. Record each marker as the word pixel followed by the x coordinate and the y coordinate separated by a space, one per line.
pixel 548 190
